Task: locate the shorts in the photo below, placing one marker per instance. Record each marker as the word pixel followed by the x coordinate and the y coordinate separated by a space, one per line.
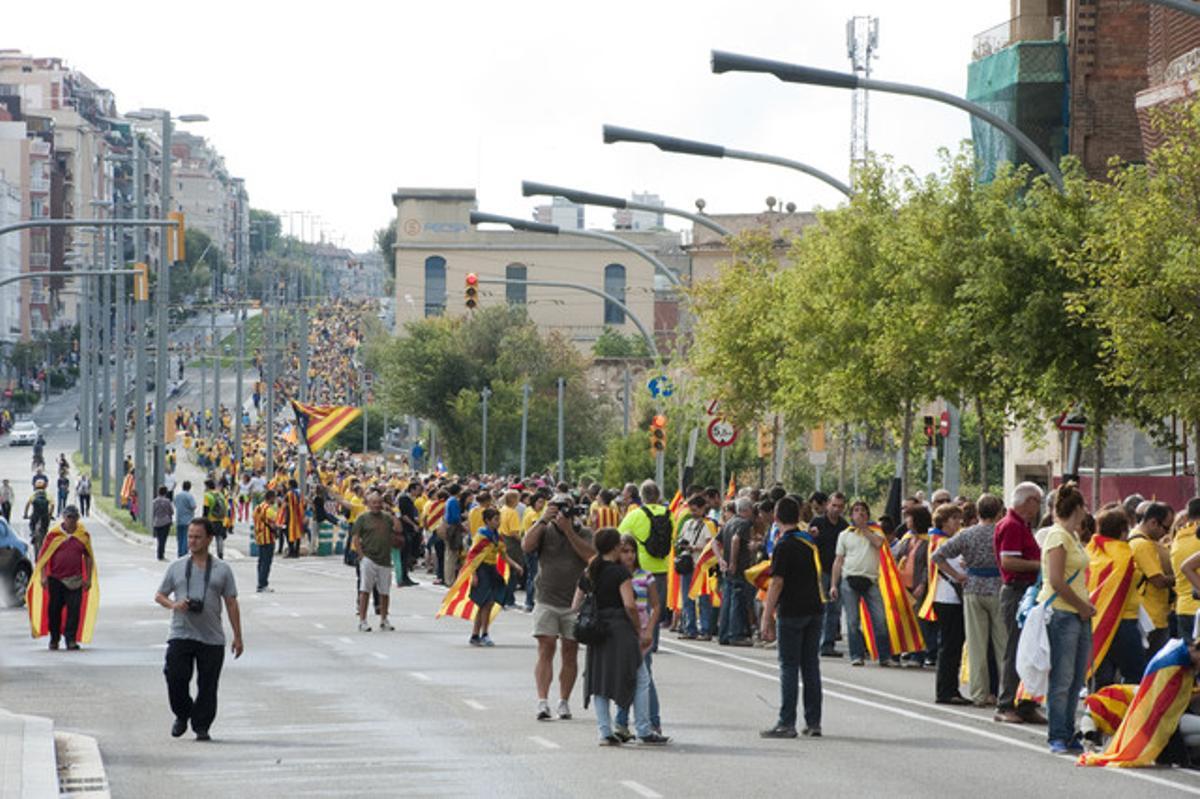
pixel 372 576
pixel 552 621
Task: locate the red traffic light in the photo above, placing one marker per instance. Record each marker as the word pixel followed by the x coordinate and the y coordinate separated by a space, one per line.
pixel 472 279
pixel 659 421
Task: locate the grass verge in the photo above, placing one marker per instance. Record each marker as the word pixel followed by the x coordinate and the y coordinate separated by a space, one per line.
pixel 108 505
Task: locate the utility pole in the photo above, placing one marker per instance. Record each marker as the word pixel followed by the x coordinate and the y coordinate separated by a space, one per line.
pixel 216 342
pixel 524 425
pixel 487 392
pixel 562 463
pixel 268 359
pixel 108 354
pixel 85 367
pixel 302 448
pixel 162 315
pixel 140 340
pixel 625 398
pixel 862 40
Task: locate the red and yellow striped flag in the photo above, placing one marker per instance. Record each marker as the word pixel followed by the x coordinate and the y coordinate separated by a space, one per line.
pixel 674 585
pixel 458 598
pixel 759 575
pixel 904 633
pixel 1110 578
pixel 1109 705
pixel 731 492
pixel 1153 715
pixel 676 504
pixel 320 423
pixel 936 539
pixel 37 596
pixel 704 581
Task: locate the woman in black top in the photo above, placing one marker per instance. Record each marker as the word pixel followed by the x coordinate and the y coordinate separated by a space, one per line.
pixel 612 664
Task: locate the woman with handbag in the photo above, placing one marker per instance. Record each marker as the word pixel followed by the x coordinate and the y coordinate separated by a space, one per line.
pixel 608 624
pixel 1064 564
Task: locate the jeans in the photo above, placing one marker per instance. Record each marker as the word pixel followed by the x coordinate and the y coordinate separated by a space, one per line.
pixel 85 504
pixel 181 538
pixel 830 622
pixel 732 624
pixel 799 651
pixel 531 570
pixel 1010 600
pixel 398 564
pixel 697 613
pixel 951 634
pixel 265 555
pixel 1070 650
pixel 858 646
pixel 62 598
pixel 439 551
pixel 1125 656
pixel 160 536
pixel 182 655
pixel 645 701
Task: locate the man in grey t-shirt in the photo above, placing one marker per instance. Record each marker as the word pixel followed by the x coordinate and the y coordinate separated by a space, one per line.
pixel 193 589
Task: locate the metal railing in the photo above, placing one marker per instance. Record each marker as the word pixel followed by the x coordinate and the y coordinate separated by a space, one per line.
pixel 1023 28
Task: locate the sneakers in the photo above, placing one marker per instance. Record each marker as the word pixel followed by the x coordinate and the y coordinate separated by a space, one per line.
pixel 611 740
pixel 409 583
pixel 622 732
pixel 564 710
pixel 957 699
pixel 778 731
pixel 886 664
pixel 385 625
pixel 1075 746
pixel 1059 748
pixel 830 653
pixel 543 710
pixel 654 739
pixel 741 642
pixel 476 641
pixel 363 627
pixel 486 640
pixel 811 732
pixel 1008 717
pixel 72 646
pixel 856 662
pixel 1032 716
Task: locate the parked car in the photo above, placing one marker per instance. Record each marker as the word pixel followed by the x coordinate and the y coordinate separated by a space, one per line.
pixel 23 433
pixel 15 568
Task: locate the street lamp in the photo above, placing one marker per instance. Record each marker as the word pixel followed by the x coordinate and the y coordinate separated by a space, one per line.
pixel 531 188
pixel 163 290
pixel 479 217
pixel 673 144
pixel 795 73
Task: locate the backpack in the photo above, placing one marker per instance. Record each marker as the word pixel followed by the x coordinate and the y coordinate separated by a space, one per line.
pixel 658 542
pixel 589 629
pixel 41 505
pixel 217 509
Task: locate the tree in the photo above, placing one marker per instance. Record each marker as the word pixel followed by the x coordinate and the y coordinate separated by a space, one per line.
pixel 438 367
pixel 385 242
pixel 612 344
pixel 265 228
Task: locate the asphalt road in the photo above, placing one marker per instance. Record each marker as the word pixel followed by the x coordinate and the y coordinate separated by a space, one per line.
pixel 315 708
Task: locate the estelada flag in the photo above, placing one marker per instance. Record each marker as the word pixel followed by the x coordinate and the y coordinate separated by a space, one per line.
pixel 1110 578
pixel 37 597
pixel 1109 705
pixel 1153 715
pixel 320 423
pixel 904 633
pixel 458 598
pixel 704 579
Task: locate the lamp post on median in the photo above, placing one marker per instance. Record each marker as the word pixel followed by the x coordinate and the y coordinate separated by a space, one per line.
pixel 795 73
pixel 163 288
pixel 674 144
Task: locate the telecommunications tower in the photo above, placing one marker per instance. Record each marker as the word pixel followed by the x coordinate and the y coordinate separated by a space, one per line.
pixel 862 43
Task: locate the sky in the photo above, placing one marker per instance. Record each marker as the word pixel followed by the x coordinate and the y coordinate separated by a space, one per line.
pixel 327 108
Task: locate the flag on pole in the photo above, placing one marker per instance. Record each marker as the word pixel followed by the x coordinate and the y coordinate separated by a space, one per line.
pixel 320 423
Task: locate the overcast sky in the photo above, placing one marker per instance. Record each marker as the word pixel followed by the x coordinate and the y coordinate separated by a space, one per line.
pixel 329 107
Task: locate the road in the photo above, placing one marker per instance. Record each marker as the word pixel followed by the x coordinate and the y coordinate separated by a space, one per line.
pixel 315 708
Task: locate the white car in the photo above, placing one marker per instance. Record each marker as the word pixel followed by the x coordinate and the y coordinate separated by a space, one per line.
pixel 23 433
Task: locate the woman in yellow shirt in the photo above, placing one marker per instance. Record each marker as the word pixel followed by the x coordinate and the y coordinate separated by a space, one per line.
pixel 1064 585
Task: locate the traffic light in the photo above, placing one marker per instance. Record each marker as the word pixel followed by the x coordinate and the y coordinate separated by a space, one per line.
pixel 658 435
pixel 141 282
pixel 175 238
pixel 766 441
pixel 471 292
pixel 930 430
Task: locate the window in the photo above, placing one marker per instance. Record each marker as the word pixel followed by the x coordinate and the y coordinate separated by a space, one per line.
pixel 515 292
pixel 435 285
pixel 614 285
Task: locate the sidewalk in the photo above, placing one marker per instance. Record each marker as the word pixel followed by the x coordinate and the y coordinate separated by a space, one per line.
pixel 28 767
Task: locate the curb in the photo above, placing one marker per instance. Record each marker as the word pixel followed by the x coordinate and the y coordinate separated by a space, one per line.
pixel 28 769
pixel 231 553
pixel 80 767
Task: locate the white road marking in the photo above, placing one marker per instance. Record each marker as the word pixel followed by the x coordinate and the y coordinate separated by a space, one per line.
pixel 474 705
pixel 544 743
pixel 379 655
pixel 1039 749
pixel 295 615
pixel 318 625
pixel 641 790
pixel 422 677
pixel 345 640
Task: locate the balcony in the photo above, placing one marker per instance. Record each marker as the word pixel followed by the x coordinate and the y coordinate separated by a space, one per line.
pixel 39 148
pixel 39 186
pixel 39 261
pixel 1023 28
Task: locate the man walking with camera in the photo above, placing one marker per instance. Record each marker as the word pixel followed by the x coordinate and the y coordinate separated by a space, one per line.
pixel 563 550
pixel 193 589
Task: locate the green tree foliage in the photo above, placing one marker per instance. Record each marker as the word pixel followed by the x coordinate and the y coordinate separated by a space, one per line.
pixel 611 343
pixel 437 368
pixel 385 242
pixel 265 229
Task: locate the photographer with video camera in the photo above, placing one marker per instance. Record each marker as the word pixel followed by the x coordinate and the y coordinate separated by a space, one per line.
pixel 563 547
pixel 193 589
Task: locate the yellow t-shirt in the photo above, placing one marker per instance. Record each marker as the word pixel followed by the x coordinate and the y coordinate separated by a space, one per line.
pixel 531 516
pixel 357 507
pixel 510 522
pixel 475 519
pixel 1074 570
pixel 1186 544
pixel 1156 601
pixel 491 554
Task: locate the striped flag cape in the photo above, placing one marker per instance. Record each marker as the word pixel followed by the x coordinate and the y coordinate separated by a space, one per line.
pixel 1153 715
pixel 127 488
pixel 320 423
pixel 936 539
pixel 759 575
pixel 458 598
pixel 295 516
pixel 904 634
pixel 704 581
pixel 1110 579
pixel 1109 705
pixel 674 585
pixel 37 596
pixel 434 512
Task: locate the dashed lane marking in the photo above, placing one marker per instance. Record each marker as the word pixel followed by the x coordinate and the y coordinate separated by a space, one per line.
pixel 318 625
pixel 419 676
pixel 543 742
pixel 379 656
pixel 641 790
pixel 474 705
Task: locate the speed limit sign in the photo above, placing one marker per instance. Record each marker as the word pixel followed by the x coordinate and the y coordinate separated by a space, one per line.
pixel 721 432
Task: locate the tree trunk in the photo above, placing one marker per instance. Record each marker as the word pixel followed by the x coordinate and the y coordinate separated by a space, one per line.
pixel 845 453
pixel 905 443
pixel 982 434
pixel 1097 464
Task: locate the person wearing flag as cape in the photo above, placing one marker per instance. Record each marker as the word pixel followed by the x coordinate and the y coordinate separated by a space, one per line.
pixel 488 580
pixel 855 577
pixel 64 593
pixel 794 612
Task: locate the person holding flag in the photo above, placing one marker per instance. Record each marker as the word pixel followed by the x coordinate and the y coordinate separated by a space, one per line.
pixel 1116 639
pixel 855 578
pixel 488 579
pixel 695 536
pixel 64 592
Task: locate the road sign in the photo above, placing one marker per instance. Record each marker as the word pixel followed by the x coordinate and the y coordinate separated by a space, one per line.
pixel 1069 422
pixel 818 458
pixel 722 433
pixel 944 424
pixel 660 386
pixel 712 408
